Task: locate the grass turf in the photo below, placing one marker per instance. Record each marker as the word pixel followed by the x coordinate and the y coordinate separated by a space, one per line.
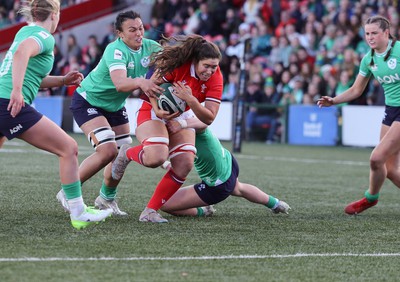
pixel 242 242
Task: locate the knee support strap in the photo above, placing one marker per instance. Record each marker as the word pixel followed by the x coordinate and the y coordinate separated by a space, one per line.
pixel 123 139
pixel 152 141
pixel 182 148
pixel 101 136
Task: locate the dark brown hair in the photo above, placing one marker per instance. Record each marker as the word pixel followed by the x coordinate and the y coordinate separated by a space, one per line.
pixel 179 50
pixel 123 16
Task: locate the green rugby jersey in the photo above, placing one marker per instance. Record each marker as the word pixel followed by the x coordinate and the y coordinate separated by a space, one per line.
pixel 38 67
pixel 386 72
pixel 99 90
pixel 213 162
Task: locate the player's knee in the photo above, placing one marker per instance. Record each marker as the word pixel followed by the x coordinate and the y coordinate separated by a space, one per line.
pixel 182 157
pixel 376 162
pixel 155 151
pixel 70 148
pixel 107 152
pixel 184 167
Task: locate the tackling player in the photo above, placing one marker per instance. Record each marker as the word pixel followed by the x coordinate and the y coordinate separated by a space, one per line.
pixel 219 171
pixel 98 104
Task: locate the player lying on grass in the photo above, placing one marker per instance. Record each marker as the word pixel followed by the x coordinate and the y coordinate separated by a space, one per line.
pixel 219 173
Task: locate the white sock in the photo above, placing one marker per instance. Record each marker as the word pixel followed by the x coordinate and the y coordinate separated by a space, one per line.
pixel 76 206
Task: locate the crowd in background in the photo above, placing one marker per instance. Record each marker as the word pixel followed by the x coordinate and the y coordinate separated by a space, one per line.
pixel 300 50
pixel 9 10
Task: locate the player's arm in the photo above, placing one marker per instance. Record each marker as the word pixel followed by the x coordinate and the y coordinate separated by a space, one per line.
pixel 350 94
pixel 206 113
pixel 123 83
pixel 26 49
pixel 174 126
pixel 71 78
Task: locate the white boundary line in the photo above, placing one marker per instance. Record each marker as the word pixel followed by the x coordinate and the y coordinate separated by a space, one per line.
pixel 88 151
pixel 230 257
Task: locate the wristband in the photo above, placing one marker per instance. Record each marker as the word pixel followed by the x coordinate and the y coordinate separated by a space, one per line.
pixel 183 123
pixel 63 81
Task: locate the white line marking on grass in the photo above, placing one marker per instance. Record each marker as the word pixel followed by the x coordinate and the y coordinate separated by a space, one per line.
pixel 296 160
pixel 83 151
pixel 299 255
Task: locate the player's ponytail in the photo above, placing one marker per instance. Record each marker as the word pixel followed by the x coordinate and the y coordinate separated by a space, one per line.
pixel 38 10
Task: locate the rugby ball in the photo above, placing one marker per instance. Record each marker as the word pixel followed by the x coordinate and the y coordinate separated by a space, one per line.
pixel 169 102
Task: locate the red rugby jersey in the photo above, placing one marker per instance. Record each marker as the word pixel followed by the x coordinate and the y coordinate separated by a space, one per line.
pixel 210 90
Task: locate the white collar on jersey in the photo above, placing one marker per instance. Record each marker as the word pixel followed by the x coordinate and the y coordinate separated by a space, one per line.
pixel 193 71
pixel 387 49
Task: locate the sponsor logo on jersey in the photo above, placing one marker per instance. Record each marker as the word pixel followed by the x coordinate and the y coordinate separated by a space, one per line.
pixel 92 111
pixel 389 78
pixel 131 65
pixel 44 34
pixel 16 129
pixel 392 63
pixel 145 62
pixel 203 88
pixel 117 54
pixel 374 67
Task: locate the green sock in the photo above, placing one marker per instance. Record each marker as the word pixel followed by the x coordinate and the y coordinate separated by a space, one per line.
pixel 108 193
pixel 371 198
pixel 272 201
pixel 200 212
pixel 72 190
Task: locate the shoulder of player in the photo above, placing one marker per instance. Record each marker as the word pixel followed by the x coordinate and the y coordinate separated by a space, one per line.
pixel 35 31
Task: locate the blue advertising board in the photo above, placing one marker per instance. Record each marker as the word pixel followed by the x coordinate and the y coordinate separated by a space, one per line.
pixel 311 125
pixel 51 107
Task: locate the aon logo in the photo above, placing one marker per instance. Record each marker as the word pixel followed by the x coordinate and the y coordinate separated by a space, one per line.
pixel 389 78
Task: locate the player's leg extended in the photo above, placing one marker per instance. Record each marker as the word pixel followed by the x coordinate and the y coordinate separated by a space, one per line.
pixel 184 202
pixel 47 136
pixel 382 161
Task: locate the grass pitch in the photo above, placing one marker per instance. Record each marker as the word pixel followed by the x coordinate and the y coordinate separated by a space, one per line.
pixel 317 241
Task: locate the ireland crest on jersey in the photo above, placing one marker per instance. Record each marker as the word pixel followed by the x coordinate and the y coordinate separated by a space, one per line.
pixel 145 62
pixel 392 63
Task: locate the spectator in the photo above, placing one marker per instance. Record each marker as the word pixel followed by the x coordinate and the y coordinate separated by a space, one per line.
pixel 192 22
pixel 235 48
pixel 260 43
pixel 109 37
pixel 205 26
pixel 345 83
pixel 266 114
pixel 231 24
pixel 251 11
pixel 230 88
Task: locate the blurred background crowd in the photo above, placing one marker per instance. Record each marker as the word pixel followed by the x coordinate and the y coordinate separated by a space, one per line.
pixel 300 50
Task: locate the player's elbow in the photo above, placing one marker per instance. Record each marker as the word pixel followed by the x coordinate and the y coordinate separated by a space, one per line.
pixel 120 88
pixel 208 121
